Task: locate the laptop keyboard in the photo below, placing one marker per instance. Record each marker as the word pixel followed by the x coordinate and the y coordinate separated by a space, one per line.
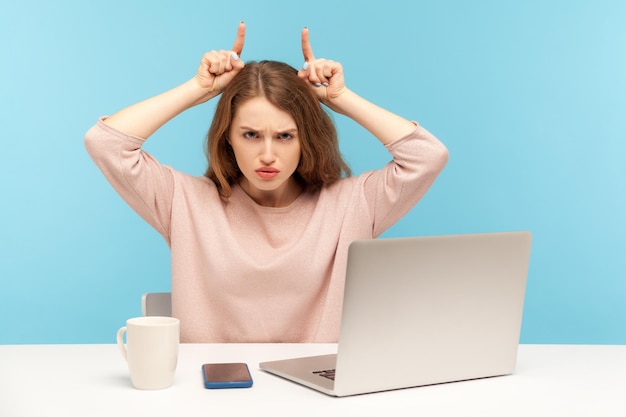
pixel 329 373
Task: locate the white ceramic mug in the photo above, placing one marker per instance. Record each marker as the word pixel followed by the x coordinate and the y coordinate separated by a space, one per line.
pixel 151 350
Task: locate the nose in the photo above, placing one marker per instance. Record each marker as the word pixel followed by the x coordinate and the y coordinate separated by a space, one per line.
pixel 267 155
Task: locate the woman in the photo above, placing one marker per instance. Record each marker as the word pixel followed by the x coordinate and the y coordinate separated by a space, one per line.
pixel 259 243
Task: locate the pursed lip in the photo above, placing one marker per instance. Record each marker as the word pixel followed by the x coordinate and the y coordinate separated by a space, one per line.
pixel 267 172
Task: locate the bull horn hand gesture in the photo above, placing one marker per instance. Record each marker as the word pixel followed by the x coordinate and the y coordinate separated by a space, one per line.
pixel 325 76
pixel 218 68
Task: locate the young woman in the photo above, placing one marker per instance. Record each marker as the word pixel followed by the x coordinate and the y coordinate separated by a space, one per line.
pixel 259 243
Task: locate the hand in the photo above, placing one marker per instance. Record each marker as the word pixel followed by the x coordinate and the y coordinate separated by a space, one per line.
pixel 218 68
pixel 325 76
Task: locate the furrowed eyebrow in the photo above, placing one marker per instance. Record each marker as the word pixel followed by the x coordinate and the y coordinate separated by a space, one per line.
pixel 253 129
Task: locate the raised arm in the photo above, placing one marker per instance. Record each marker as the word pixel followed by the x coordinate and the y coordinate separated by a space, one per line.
pixel 216 70
pixel 327 80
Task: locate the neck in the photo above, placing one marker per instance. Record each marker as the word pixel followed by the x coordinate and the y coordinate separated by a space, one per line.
pixel 281 197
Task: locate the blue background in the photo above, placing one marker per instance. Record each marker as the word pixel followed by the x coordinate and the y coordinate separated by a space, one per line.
pixel 529 97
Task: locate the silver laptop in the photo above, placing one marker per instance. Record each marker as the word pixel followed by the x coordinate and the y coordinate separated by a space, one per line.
pixel 421 311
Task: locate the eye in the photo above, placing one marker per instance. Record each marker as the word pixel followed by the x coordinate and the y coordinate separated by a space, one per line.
pixel 285 136
pixel 250 135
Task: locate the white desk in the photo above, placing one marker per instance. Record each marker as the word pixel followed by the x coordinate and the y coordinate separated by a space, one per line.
pixel 92 380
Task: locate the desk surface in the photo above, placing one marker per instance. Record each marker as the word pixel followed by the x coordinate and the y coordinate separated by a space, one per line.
pixel 92 380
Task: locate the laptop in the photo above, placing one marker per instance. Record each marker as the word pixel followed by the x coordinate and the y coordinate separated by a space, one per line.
pixel 420 311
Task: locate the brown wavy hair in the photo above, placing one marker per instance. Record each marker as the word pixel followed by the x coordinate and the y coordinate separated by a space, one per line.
pixel 321 162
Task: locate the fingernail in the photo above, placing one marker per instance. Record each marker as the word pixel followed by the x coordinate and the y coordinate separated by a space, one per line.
pixel 305 66
pixel 318 84
pixel 325 84
pixel 234 56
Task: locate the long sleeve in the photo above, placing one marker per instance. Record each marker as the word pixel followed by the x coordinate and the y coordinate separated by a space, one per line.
pixel 248 273
pixel 391 192
pixel 138 178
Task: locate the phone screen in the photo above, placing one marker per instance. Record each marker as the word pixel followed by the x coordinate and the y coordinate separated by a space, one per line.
pixel 226 375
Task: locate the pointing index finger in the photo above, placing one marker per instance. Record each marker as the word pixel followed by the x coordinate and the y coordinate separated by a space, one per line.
pixel 239 40
pixel 307 51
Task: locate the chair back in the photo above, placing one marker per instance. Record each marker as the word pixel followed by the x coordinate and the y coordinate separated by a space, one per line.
pixel 156 304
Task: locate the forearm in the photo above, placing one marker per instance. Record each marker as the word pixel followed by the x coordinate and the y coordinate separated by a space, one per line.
pixel 385 125
pixel 146 117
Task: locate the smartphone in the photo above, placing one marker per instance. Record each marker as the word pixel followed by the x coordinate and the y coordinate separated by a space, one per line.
pixel 226 375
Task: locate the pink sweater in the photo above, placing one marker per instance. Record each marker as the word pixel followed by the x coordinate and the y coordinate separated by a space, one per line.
pixel 246 273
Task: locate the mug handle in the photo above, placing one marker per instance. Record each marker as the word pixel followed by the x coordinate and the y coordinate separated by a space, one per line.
pixel 120 341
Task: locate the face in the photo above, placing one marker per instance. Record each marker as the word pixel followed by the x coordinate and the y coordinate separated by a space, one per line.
pixel 265 141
